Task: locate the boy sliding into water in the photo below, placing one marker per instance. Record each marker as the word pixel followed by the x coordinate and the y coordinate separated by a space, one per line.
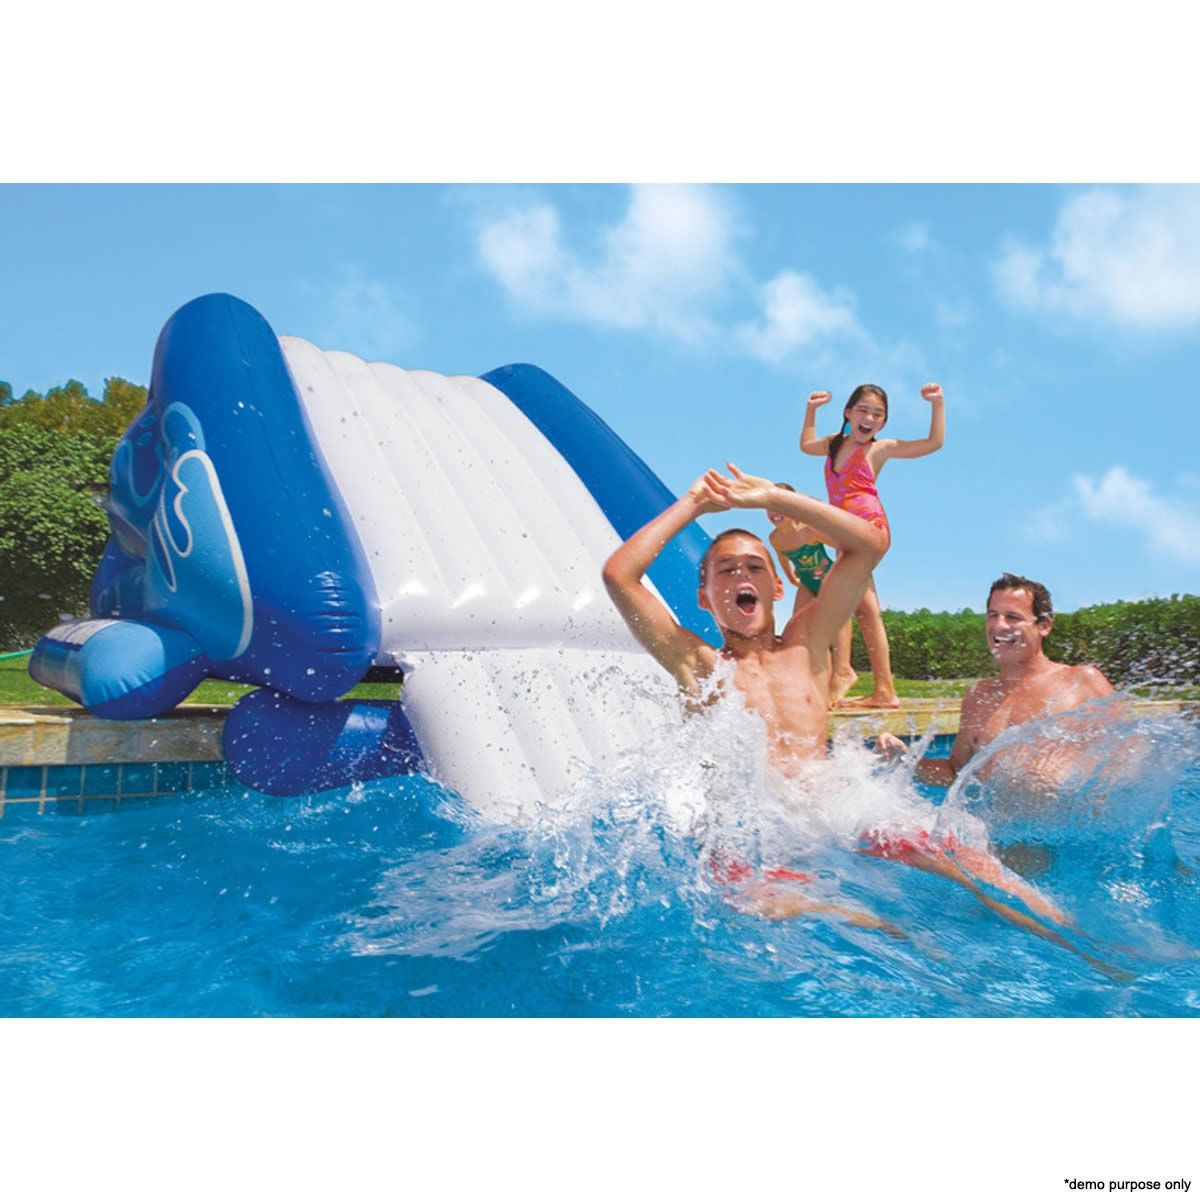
pixel 784 678
pixel 853 459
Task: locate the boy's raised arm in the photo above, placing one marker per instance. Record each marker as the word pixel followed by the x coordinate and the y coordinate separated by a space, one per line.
pixel 649 620
pixel 861 545
pixel 835 526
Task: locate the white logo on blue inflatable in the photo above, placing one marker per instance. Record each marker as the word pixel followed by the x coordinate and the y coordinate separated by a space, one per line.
pixel 197 575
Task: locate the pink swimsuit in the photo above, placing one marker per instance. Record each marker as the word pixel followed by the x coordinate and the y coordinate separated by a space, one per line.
pixel 853 489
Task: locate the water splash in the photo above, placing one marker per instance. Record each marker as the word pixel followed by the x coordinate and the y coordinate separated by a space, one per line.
pixel 1095 804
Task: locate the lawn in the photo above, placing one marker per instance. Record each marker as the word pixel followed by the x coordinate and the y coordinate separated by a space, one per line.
pixel 914 689
pixel 19 690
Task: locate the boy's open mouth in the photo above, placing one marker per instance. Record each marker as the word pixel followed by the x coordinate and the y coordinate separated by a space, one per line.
pixel 747 600
pixel 1003 639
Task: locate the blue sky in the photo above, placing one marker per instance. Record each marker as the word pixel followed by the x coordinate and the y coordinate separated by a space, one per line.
pixel 1062 322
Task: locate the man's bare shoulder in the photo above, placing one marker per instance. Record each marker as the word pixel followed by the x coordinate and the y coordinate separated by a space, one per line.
pixel 981 696
pixel 1086 682
pixel 1093 677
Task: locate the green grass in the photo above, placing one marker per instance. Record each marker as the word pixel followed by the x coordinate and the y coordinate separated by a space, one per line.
pixel 915 689
pixel 919 689
pixel 18 690
pixel 1157 692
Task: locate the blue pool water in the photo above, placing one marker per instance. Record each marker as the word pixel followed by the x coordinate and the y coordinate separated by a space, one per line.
pixel 395 899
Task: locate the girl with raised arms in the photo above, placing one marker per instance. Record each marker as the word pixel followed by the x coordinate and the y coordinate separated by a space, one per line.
pixel 853 459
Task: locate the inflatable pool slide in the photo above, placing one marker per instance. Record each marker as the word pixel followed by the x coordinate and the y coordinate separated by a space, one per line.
pixel 303 520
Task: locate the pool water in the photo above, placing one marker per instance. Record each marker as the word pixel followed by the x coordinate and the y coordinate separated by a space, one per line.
pixel 395 899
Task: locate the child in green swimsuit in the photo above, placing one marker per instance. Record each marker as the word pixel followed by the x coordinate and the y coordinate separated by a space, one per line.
pixel 805 562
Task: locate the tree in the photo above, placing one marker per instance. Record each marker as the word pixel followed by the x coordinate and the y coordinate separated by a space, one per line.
pixel 55 452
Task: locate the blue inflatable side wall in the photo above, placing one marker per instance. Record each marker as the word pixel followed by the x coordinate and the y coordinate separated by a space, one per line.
pixel 285 747
pixel 628 492
pixel 226 531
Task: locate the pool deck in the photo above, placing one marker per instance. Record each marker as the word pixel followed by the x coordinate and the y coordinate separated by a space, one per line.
pixel 65 758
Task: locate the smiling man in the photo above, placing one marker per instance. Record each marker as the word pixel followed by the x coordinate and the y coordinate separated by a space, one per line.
pixel 784 678
pixel 1029 685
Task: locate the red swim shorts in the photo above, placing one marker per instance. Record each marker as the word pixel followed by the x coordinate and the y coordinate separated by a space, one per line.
pixel 731 871
pixel 881 844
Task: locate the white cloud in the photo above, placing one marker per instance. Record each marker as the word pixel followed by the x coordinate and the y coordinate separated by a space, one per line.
pixel 1121 499
pixel 660 269
pixel 668 267
pixel 913 238
pixel 1129 257
pixel 797 312
pixel 361 315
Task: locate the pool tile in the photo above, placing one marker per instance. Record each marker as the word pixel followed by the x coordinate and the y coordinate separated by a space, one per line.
pixel 100 779
pixel 11 810
pixel 172 777
pixel 23 783
pixel 63 782
pixel 95 806
pixel 209 775
pixel 137 779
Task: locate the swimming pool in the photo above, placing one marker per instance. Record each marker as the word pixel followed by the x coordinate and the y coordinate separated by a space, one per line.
pixel 394 899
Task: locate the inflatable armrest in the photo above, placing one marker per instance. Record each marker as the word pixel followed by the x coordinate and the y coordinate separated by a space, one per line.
pixel 123 670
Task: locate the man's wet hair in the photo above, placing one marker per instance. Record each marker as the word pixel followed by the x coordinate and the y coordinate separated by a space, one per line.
pixel 1043 609
pixel 728 533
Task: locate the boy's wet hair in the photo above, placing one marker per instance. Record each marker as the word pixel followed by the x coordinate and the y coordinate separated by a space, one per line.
pixel 1043 609
pixel 728 533
pixel 863 389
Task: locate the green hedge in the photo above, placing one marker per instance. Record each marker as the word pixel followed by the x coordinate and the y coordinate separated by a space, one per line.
pixel 1135 642
pixel 1143 641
